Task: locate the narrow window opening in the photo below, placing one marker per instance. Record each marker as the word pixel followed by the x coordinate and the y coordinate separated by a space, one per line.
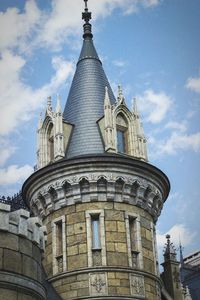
pixel 122 134
pixel 96 241
pixel 59 240
pixel 121 141
pixel 133 240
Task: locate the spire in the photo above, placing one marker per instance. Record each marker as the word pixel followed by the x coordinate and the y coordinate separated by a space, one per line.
pixel 87 27
pixel 85 103
pixel 58 106
pixel 181 253
pixel 120 97
pixel 170 251
pixel 135 110
pixel 49 107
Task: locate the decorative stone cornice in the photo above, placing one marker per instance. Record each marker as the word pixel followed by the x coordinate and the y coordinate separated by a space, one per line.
pixel 120 179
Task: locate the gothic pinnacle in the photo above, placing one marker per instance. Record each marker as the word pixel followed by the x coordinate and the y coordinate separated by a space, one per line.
pixel 87 16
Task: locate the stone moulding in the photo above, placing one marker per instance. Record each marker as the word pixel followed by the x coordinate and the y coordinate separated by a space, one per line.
pixel 96 178
pixel 22 283
pixel 104 270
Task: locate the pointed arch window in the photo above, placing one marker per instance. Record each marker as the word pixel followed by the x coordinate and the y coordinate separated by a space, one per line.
pixel 50 142
pixel 122 134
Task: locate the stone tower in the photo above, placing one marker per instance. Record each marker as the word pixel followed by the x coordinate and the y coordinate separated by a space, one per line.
pixel 95 191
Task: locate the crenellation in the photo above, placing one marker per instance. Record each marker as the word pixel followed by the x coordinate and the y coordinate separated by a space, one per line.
pixel 20 223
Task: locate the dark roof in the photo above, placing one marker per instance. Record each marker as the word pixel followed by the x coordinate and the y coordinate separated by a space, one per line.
pixel 85 103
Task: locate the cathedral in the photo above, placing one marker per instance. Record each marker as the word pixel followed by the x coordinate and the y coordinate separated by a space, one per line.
pixel 86 226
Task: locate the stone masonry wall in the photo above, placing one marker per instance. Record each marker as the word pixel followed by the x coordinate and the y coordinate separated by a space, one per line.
pixel 116 278
pixel 21 247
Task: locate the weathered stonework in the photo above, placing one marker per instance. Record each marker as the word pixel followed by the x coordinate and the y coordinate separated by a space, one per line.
pixel 21 247
pixel 119 191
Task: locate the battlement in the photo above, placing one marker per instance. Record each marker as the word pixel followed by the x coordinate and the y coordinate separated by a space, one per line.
pixel 20 223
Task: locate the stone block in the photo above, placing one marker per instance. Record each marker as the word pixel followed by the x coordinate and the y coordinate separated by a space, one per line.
pixel 69 279
pixel 123 290
pixel 116 237
pixel 79 228
pixel 94 206
pixel 112 290
pixel 149 265
pixel 77 261
pixel 110 247
pixel 73 250
pixel 83 292
pixel 114 215
pixel 25 297
pixel 121 247
pixel 121 226
pixel 25 246
pixel 117 259
pixel 70 230
pixel 125 283
pixel 1 258
pixel 79 285
pixel 69 294
pixel 6 294
pixel 114 282
pixel 82 277
pixel 148 234
pixel 145 223
pixel 147 244
pixel 9 241
pixel 82 248
pixel 76 217
pixel 12 261
pixel 76 239
pixel 29 267
pixel 111 275
pixel 122 275
pixel 37 253
pixel 111 226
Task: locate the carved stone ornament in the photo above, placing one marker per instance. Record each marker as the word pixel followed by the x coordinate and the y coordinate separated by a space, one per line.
pixel 98 284
pixel 137 285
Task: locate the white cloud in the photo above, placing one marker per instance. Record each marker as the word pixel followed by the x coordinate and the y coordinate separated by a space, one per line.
pixel 119 63
pixel 6 150
pixel 16 27
pixel 178 141
pixel 14 174
pixel 155 106
pixel 18 100
pixel 193 84
pixel 180 126
pixel 179 232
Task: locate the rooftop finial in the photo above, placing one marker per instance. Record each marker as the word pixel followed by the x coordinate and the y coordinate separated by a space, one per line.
pixel 87 16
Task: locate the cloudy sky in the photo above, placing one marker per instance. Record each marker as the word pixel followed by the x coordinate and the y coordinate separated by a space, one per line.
pixel 150 47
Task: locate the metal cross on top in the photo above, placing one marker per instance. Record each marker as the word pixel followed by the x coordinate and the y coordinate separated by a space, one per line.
pixel 86 15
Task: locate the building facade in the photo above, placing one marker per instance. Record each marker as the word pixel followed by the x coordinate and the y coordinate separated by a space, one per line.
pixel 190 273
pixel 95 194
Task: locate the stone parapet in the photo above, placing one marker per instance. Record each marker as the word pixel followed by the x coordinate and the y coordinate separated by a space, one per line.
pixel 21 249
pixel 20 223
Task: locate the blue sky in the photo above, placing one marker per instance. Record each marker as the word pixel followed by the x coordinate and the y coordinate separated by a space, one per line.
pixel 150 47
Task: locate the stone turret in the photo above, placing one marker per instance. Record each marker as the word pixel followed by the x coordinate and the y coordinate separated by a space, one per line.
pixel 171 274
pixel 21 249
pixel 100 202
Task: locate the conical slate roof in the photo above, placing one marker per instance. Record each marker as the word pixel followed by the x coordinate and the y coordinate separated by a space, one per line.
pixel 85 103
